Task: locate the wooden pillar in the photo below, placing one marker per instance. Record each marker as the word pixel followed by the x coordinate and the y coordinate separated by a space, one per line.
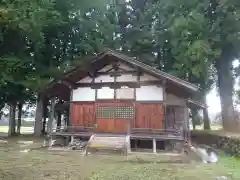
pixel 128 136
pixel 187 123
pixel 69 122
pixel 59 120
pixel 72 139
pixel 135 144
pixel 164 103
pixel 154 146
pixel 128 144
pixel 51 117
pixel 38 116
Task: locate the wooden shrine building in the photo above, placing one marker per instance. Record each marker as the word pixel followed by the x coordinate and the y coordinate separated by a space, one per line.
pixel 115 94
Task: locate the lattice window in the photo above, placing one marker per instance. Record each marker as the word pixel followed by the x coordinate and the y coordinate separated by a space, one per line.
pixel 111 112
pixel 125 112
pixel 106 112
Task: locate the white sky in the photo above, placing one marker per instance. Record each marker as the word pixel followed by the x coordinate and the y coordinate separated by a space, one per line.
pixel 213 100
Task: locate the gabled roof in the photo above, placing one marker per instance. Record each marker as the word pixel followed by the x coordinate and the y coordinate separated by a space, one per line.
pixel 100 59
pixel 153 70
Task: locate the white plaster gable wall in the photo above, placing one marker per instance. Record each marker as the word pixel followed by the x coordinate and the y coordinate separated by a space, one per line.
pixel 105 93
pixel 83 94
pixel 104 78
pixel 149 93
pixel 127 78
pixel 125 93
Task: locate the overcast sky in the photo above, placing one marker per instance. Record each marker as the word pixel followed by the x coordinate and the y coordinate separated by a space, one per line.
pixel 213 99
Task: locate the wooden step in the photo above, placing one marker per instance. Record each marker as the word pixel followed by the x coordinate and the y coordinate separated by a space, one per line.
pixel 99 143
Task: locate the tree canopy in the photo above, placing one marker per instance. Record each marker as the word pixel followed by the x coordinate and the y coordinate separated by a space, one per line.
pixel 195 40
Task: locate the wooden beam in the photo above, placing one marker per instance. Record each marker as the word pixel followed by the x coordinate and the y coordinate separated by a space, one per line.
pixel 116 85
pixel 118 73
pixel 115 65
pixel 70 85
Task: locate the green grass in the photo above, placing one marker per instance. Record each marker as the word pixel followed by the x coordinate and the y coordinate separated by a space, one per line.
pixel 24 130
pixel 213 127
pixel 48 165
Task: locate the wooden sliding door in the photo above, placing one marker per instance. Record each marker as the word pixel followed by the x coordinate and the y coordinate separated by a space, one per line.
pixel 149 116
pixel 114 117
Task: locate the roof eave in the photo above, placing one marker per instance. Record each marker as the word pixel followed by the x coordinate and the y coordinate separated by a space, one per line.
pixel 154 70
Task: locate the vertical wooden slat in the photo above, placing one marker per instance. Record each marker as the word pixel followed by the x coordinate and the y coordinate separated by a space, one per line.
pixel 149 116
pixel 83 115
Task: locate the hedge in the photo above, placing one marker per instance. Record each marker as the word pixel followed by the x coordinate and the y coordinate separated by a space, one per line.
pixel 229 145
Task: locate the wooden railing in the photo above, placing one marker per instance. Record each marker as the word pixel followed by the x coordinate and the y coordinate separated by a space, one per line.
pixel 167 132
pixel 183 134
pixel 74 129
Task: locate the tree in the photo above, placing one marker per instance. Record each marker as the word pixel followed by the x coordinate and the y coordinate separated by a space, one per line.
pixel 202 37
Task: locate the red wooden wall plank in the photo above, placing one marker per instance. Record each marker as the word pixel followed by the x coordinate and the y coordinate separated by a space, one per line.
pixel 83 115
pixel 149 116
pixel 121 125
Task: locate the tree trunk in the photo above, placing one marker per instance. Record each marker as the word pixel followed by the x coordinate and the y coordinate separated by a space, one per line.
pixel 193 125
pixel 206 120
pixel 38 117
pixel 12 116
pixel 19 122
pixel 225 85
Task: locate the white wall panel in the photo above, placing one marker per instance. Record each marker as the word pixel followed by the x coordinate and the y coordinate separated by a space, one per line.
pixel 125 93
pixel 83 94
pixel 149 93
pixel 127 78
pixel 104 78
pixel 105 93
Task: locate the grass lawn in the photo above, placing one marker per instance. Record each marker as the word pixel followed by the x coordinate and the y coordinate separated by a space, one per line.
pixel 52 165
pixel 24 130
pixel 213 127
